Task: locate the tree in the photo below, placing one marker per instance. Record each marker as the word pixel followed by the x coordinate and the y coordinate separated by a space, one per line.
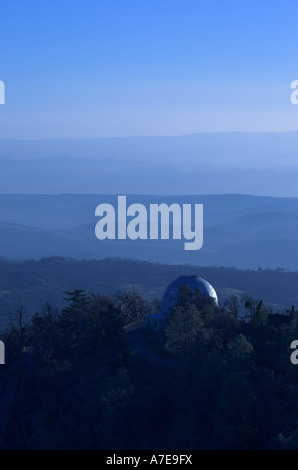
pixel 132 305
pixel 234 417
pixel 223 325
pixel 260 316
pixel 263 335
pixel 182 332
pixel 77 299
pixel 240 354
pixel 250 305
pixel 233 306
pixel 19 324
pixel 74 313
pixel 156 305
pixel 188 296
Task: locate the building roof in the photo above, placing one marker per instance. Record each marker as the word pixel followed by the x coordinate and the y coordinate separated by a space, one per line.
pixel 172 294
pixel 158 316
pixel 195 283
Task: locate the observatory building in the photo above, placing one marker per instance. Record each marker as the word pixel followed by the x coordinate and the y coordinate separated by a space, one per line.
pixel 200 288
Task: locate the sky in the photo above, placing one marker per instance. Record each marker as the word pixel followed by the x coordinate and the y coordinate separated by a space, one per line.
pixel 94 68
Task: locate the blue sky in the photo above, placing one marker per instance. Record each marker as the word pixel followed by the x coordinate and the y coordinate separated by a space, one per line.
pixel 98 68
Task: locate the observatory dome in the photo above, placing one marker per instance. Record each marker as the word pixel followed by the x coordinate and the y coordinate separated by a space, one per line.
pixel 196 284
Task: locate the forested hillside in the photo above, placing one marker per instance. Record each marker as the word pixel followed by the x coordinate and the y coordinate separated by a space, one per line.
pixel 75 379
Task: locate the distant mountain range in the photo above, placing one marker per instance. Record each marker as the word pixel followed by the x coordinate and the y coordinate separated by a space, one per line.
pixel 224 149
pixel 241 231
pixel 207 163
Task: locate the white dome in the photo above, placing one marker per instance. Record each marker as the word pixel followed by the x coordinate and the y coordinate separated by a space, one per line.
pixel 196 284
